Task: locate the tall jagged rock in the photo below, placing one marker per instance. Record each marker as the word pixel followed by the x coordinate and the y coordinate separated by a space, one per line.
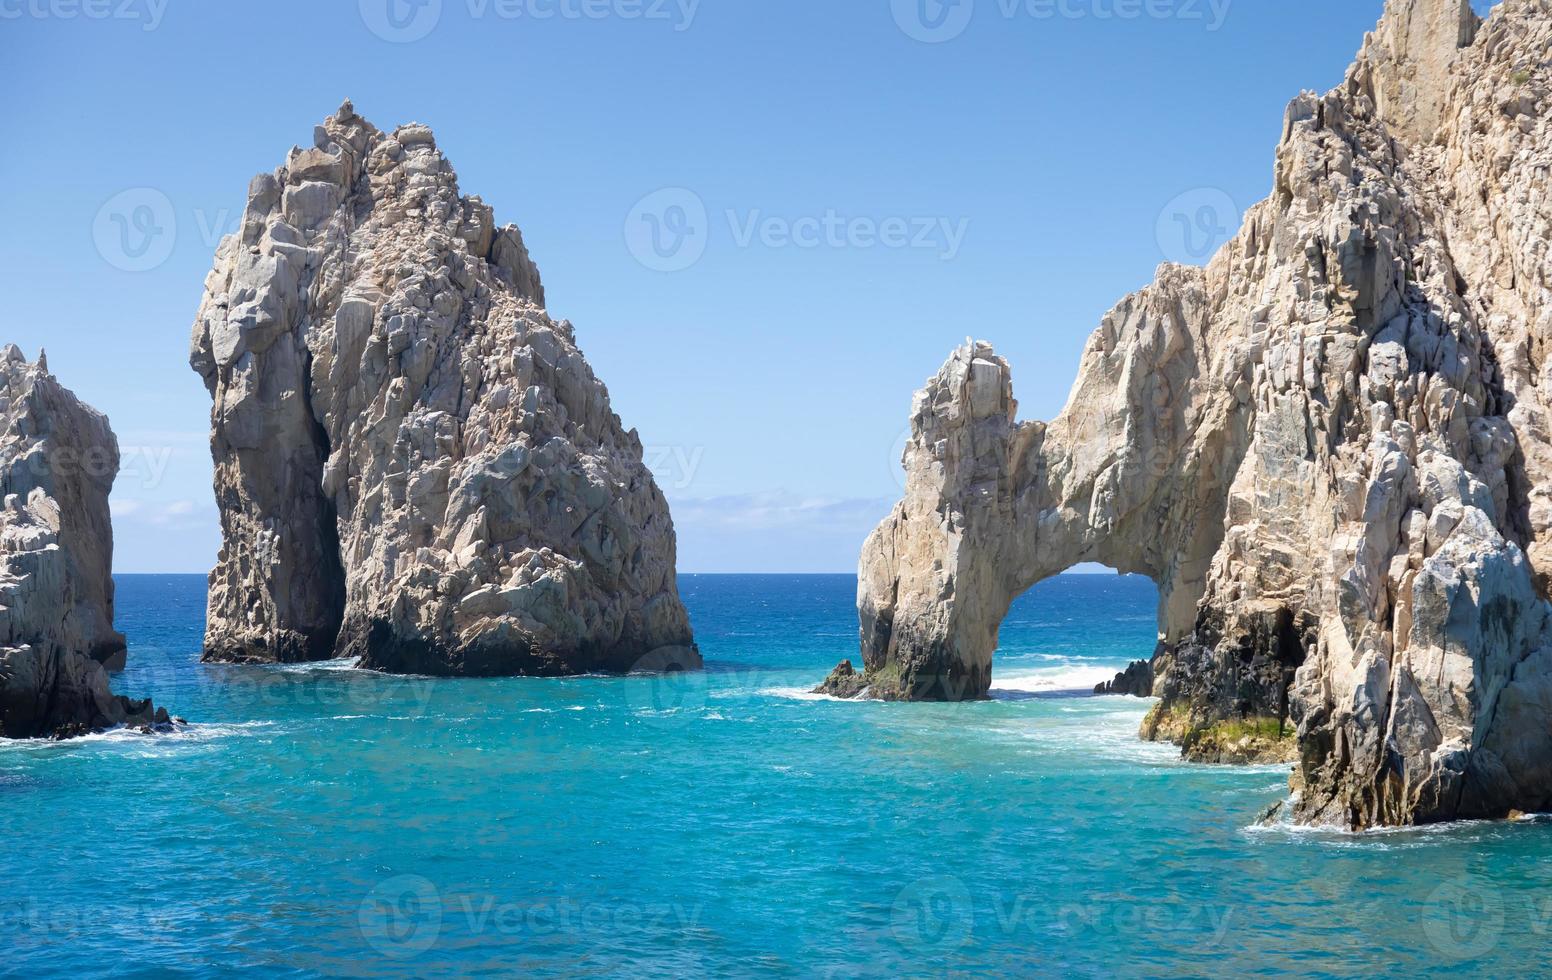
pixel 58 460
pixel 1330 449
pixel 413 463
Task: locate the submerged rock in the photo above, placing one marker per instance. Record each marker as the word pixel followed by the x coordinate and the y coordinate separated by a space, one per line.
pixel 58 460
pixel 1329 448
pixel 414 465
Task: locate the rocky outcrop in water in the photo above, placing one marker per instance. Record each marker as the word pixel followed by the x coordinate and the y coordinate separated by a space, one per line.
pixel 414 464
pixel 1135 681
pixel 58 460
pixel 1330 449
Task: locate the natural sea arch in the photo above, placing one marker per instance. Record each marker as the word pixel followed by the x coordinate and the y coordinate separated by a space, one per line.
pixel 994 506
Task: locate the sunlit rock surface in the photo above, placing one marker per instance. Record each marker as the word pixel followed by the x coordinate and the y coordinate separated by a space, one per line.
pixel 1329 448
pixel 414 463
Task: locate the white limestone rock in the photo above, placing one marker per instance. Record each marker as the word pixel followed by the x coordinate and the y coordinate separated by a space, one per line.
pixel 1329 448
pixel 58 460
pixel 414 463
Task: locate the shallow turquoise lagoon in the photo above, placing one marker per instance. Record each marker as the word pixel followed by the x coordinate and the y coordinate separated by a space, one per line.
pixel 324 821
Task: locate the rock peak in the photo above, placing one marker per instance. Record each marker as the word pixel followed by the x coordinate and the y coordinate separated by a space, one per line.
pixel 453 492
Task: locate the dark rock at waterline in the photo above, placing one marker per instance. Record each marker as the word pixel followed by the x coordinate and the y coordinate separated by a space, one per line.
pixel 844 682
pixel 57 694
pixel 1135 681
pixel 1229 679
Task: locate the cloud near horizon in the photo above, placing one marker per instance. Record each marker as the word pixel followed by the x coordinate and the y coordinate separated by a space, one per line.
pixel 774 531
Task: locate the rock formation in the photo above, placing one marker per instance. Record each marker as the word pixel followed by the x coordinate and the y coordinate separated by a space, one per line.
pixel 1135 681
pixel 1330 449
pixel 413 463
pixel 58 460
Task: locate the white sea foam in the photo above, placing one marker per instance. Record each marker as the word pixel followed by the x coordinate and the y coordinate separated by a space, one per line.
pixel 796 694
pixel 136 743
pixel 343 663
pixel 1103 736
pixel 1376 838
pixel 1067 676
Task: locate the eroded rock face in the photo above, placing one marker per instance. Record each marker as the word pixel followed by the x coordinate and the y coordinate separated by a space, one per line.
pixel 58 460
pixel 1330 449
pixel 414 463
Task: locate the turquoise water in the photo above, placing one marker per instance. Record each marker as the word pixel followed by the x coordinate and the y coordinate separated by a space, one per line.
pixel 324 821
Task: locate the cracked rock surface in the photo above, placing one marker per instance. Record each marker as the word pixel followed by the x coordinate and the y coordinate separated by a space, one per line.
pixel 1331 448
pixel 58 460
pixel 414 463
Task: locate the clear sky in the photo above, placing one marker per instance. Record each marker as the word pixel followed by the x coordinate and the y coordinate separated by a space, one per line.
pixel 769 221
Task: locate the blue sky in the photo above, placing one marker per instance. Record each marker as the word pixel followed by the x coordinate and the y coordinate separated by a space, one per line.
pixel 769 222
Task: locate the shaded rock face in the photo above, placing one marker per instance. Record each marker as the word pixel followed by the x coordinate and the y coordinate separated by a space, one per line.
pixel 1330 449
pixel 413 463
pixel 1135 681
pixel 58 460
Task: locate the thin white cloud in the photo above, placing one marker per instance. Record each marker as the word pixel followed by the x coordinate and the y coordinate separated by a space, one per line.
pixel 124 508
pixel 166 514
pixel 777 510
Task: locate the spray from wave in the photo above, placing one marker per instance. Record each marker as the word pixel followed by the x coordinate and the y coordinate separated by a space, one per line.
pixel 1066 677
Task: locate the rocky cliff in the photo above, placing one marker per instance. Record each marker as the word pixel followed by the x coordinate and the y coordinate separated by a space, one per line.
pixel 1330 449
pixel 414 463
pixel 58 460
